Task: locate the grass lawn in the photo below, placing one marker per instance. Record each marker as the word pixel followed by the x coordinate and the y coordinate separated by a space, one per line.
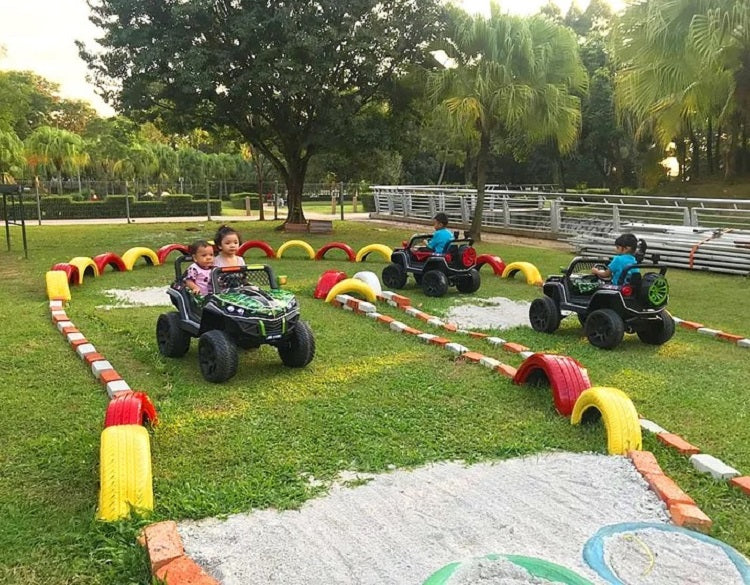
pixel 370 400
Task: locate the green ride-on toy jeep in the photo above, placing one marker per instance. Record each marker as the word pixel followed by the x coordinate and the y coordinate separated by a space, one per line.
pixel 248 310
pixel 636 304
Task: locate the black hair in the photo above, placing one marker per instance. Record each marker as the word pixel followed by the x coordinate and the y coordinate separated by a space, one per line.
pixel 441 218
pixel 223 232
pixel 627 241
pixel 197 245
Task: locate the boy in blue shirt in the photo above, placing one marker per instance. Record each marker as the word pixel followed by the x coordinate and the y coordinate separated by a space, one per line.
pixel 442 235
pixel 625 247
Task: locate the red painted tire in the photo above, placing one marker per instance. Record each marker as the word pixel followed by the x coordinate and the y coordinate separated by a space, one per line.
pixel 130 408
pixel 495 262
pixel 567 378
pixel 257 244
pixel 165 251
pixel 327 281
pixel 109 259
pixel 70 271
pixel 338 246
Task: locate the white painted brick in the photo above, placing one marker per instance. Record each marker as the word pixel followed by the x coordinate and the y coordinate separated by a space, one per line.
pixel 366 307
pixel 436 322
pixel 709 464
pixel 117 386
pixel 85 348
pixel 99 366
pixel 651 426
pixel 55 305
pixel 373 315
pixel 60 313
pixel 489 362
pixel 413 311
pixel 456 348
pixel 398 325
pixel 392 303
pixel 744 342
pixel 343 298
pixel 74 337
pixel 526 354
pixel 347 308
pixel 496 341
pixel 677 320
pixel 463 331
pixel 426 337
pixel 63 324
pixel 707 331
pixel 387 294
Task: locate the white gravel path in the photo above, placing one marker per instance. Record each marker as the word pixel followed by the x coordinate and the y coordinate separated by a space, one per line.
pixel 490 313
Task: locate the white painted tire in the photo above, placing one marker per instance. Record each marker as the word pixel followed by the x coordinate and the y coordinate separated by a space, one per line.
pixel 371 279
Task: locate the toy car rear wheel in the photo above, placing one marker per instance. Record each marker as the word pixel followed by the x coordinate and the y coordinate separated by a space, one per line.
pixel 657 332
pixel 171 339
pixel 544 315
pixel 469 283
pixel 394 276
pixel 298 350
pixel 604 328
pixel 217 356
pixel 434 283
pixel 654 290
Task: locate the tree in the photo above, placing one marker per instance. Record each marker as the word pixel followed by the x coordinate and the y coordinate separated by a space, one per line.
pixel 11 154
pixel 53 149
pixel 288 76
pixel 515 78
pixel 26 101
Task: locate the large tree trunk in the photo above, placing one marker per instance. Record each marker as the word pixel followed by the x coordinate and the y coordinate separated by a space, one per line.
pixel 295 180
pixel 482 157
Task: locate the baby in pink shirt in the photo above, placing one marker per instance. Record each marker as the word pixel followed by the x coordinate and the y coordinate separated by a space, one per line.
pixel 198 277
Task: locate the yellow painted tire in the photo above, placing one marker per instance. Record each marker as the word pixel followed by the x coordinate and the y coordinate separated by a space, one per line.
pixel 57 285
pixel 527 269
pixel 84 264
pixel 351 285
pixel 381 249
pixel 618 414
pixel 130 257
pixel 125 472
pixel 296 244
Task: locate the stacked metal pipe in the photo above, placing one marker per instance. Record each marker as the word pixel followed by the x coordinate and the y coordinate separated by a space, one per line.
pixel 726 251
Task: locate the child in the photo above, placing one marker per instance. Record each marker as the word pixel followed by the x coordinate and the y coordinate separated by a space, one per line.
pixel 442 235
pixel 198 277
pixel 227 241
pixel 625 247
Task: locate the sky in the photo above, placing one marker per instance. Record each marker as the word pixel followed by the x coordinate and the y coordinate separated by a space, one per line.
pixel 39 35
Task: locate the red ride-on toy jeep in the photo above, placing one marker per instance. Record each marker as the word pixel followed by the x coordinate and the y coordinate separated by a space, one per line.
pixel 434 272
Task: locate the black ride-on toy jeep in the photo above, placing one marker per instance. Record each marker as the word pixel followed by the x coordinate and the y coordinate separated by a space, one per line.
pixel 608 310
pixel 434 272
pixel 249 310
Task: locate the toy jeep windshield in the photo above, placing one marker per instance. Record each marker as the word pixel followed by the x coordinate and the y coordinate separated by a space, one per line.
pixel 246 309
pixel 635 304
pixel 434 272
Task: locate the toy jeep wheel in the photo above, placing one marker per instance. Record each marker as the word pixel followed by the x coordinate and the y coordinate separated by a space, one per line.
pixel 434 283
pixel 604 328
pixel 217 356
pixel 654 290
pixel 469 283
pixel 394 276
pixel 544 315
pixel 298 350
pixel 172 341
pixel 657 332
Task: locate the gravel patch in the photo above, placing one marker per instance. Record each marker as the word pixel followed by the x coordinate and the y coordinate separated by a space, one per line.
pixel 155 296
pixel 491 313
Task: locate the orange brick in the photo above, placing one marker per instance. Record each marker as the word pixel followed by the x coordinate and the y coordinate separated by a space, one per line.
pixel 441 341
pixel 92 357
pixel 76 342
pixel 506 370
pixel 450 327
pixel 729 337
pixel 386 319
pixel 515 347
pixel 677 442
pixel 645 462
pixel 471 356
pixel 401 301
pixel 337 303
pixel 690 325
pixel 353 303
pixel 690 516
pixel 423 316
pixel 477 334
pixel 71 329
pixel 184 571
pixel 667 489
pixel 58 318
pixel 163 543
pixel 108 376
pixel 742 482
pixel 413 331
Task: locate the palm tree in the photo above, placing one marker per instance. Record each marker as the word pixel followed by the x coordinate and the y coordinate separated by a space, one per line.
pixel 11 154
pixel 514 77
pixel 54 148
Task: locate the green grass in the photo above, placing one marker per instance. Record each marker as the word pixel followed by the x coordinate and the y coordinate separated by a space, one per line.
pixel 371 399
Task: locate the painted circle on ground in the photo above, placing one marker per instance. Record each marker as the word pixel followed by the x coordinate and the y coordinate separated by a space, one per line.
pixel 506 570
pixel 652 554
